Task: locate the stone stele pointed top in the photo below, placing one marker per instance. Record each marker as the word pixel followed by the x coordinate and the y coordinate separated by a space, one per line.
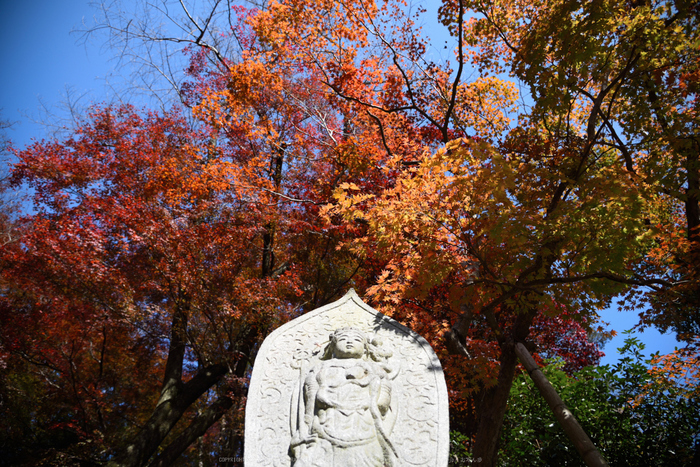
pixel 344 385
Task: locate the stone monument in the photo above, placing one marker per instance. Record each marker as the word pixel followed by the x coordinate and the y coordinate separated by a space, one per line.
pixel 345 385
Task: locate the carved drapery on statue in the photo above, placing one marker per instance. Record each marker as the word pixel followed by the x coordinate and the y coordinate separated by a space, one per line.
pixel 346 385
pixel 344 407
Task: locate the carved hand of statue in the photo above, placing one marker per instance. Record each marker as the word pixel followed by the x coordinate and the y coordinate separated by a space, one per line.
pixel 298 439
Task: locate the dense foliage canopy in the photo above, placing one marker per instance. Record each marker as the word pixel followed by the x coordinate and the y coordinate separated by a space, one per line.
pixel 638 412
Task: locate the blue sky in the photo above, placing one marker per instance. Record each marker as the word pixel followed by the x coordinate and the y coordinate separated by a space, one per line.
pixel 42 60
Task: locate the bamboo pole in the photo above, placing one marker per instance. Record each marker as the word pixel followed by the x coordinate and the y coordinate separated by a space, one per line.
pixel 585 447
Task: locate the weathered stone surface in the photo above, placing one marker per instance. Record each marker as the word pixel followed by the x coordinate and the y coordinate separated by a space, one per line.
pixel 345 385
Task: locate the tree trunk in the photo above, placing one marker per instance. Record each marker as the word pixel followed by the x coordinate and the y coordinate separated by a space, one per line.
pixel 492 409
pixel 197 428
pixel 268 259
pixel 166 414
pixel 585 447
pixel 210 415
pixel 175 398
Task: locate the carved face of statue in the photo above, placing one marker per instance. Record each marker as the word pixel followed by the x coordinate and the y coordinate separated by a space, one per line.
pixel 349 344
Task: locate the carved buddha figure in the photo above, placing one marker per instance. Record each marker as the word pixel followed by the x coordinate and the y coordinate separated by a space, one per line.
pixel 345 408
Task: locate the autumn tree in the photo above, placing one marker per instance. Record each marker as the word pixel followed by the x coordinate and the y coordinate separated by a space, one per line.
pixel 515 244
pixel 633 69
pixel 585 67
pixel 274 118
pixel 377 71
pixel 137 294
